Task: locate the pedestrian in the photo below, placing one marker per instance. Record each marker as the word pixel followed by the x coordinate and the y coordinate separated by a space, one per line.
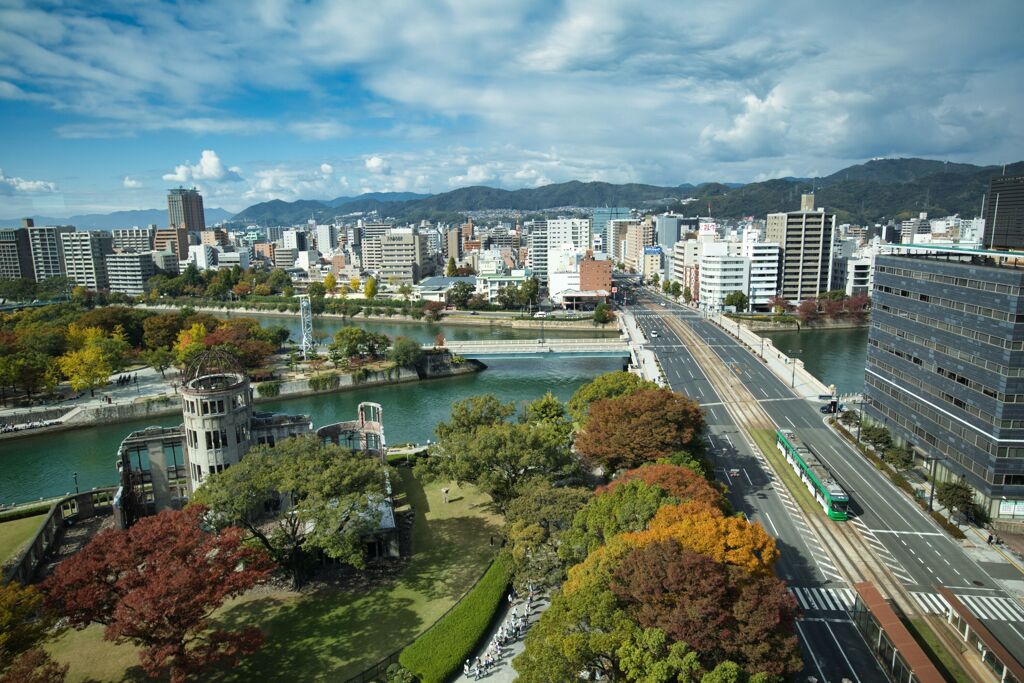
pixel 989 541
pixel 465 669
pixel 444 492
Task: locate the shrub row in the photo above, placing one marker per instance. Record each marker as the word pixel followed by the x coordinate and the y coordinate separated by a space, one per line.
pixel 269 389
pixel 23 512
pixel 331 380
pixel 437 654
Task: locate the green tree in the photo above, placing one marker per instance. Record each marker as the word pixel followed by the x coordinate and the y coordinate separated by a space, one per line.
pixel 955 496
pixel 460 294
pixel 161 330
pixel 449 269
pixel 24 624
pixel 30 368
pixel 675 289
pixel 529 291
pixel 316 290
pixel 321 498
pixel 349 341
pixel 608 385
pixel 603 314
pixel 900 457
pixel 534 523
pixel 405 352
pixel 737 299
pixel 877 436
pixel 159 358
pixel 470 413
pixel 687 294
pixel 655 279
pixel 330 283
pixel 370 289
pixel 405 290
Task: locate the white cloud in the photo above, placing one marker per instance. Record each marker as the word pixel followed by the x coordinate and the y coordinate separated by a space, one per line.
pixel 210 167
pixel 131 183
pixel 320 130
pixel 11 185
pixel 326 169
pixel 290 184
pixel 377 165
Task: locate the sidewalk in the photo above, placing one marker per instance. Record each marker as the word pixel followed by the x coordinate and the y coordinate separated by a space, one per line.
pixel 648 368
pixel 502 671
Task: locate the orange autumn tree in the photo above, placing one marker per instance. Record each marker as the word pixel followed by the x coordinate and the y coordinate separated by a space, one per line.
pixel 643 427
pixel 679 482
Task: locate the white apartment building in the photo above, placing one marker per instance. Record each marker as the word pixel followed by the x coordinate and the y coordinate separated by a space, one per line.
pixel 230 259
pixel 128 271
pixel 139 239
pixel 326 238
pixel 721 274
pixel 538 255
pixel 576 231
pixel 763 258
pixel 564 269
pixel 47 249
pixel 295 239
pixel 489 285
pixel 403 257
pixel 202 255
pixel 860 275
pixel 370 254
pixel 84 256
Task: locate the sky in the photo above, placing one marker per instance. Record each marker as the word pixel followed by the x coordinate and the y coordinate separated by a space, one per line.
pixel 105 105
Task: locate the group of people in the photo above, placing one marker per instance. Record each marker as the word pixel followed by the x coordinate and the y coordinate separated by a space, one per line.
pixel 124 380
pixel 7 428
pixel 512 629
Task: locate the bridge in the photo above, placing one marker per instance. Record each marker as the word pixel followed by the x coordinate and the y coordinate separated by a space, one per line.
pixel 521 348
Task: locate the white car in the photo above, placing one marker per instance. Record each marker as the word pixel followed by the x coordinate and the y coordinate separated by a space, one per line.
pixel 654 334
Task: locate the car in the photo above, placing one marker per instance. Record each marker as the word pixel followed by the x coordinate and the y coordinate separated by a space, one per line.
pixel 654 334
pixel 540 314
pixel 663 304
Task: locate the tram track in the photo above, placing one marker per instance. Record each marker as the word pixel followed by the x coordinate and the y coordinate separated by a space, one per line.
pixel 850 551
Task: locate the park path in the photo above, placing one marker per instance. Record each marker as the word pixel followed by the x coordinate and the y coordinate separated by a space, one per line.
pixel 502 672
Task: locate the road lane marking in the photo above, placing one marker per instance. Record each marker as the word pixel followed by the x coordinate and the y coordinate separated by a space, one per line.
pixel 814 657
pixel 841 651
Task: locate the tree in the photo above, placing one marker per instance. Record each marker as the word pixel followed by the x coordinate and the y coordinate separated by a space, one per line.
pixel 483 410
pixel 405 290
pixel 807 311
pixel 23 621
pixel 439 339
pixel 631 430
pixel 529 290
pixel 737 299
pixel 432 309
pixel 299 497
pixel 460 294
pixel 370 289
pixel 603 313
pixel 316 290
pixel 86 368
pixel 348 341
pixel 534 523
pixel 159 358
pixel 655 279
pixel 30 368
pixel 679 482
pixel 675 289
pixel 405 352
pixel 330 283
pixel 157 584
pixel 779 304
pixel 608 385
pixel 722 612
pixel 687 294
pixel 34 666
pixel 191 342
pixel 629 507
pixel 877 436
pixel 449 269
pixel 354 283
pixel 900 457
pixel 955 496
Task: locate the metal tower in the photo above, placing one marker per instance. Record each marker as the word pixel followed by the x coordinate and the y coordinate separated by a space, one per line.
pixel 307 345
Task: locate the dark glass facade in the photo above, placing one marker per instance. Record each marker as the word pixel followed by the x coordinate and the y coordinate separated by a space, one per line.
pixel 1004 213
pixel 945 368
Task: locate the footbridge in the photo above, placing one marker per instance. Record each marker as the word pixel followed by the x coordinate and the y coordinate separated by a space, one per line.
pixel 520 348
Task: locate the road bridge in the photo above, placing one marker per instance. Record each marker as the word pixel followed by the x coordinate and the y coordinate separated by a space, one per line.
pixel 519 348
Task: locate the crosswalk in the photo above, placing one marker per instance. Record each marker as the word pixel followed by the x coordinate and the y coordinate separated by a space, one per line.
pixel 824 599
pixel 983 607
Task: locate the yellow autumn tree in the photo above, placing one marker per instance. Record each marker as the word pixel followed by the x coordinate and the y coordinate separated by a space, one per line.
pixel 190 343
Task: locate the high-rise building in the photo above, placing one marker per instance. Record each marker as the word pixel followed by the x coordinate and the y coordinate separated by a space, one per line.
pixel 214 238
pixel 945 352
pixel 175 240
pixel 539 250
pixel 763 283
pixel 639 234
pixel 569 230
pixel 127 271
pixel 404 258
pixel 666 230
pixel 602 216
pixel 47 249
pixel 617 230
pixel 326 238
pixel 15 254
pixel 85 256
pixel 185 210
pixel 139 239
pixel 721 274
pixel 296 239
pixel 806 238
pixel 452 244
pixel 1004 213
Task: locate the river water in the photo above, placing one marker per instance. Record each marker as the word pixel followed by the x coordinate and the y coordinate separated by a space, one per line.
pixel 833 356
pixel 43 466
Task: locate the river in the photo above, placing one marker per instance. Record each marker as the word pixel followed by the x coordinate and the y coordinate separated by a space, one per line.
pixel 43 466
pixel 833 356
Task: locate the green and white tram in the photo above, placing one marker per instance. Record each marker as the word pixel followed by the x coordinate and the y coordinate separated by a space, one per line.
pixel 815 476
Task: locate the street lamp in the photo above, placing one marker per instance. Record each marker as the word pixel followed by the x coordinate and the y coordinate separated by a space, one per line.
pixel 76 482
pixel 792 361
pixel 931 477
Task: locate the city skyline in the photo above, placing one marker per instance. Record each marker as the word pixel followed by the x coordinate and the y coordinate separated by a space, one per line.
pixel 105 108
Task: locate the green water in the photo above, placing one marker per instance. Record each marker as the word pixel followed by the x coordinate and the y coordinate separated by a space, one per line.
pixel 42 466
pixel 833 356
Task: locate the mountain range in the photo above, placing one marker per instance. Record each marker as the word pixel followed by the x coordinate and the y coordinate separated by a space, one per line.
pixel 864 193
pixel 117 219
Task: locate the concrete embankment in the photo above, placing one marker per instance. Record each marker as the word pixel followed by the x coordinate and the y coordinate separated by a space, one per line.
pixel 434 366
pixel 756 325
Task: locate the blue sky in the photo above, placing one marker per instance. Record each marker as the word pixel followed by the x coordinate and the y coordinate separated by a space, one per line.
pixel 103 106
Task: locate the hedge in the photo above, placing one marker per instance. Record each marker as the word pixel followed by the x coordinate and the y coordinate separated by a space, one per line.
pixel 268 389
pixel 23 512
pixel 437 654
pixel 331 380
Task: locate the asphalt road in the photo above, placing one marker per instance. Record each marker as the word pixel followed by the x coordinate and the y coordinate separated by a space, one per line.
pixel 834 650
pixel 909 542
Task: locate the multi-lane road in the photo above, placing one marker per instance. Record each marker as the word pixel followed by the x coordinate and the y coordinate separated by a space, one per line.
pixel 915 551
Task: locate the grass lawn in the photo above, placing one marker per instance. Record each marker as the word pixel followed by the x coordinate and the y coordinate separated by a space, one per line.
pixel 14 535
pixel 333 634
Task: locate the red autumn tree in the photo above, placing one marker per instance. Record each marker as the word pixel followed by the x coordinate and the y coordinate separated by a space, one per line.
pixel 721 611
pixel 679 482
pixel 157 584
pixel 631 430
pixel 807 311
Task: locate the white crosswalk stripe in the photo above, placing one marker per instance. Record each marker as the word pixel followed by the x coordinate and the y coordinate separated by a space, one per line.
pixel 981 606
pixel 823 599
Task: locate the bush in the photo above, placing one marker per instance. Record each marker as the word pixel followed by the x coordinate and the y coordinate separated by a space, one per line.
pixel 325 382
pixel 23 512
pixel 437 654
pixel 269 389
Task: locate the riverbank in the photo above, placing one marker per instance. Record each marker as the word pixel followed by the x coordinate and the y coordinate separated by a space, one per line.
pixel 433 366
pixel 767 325
pixel 465 319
